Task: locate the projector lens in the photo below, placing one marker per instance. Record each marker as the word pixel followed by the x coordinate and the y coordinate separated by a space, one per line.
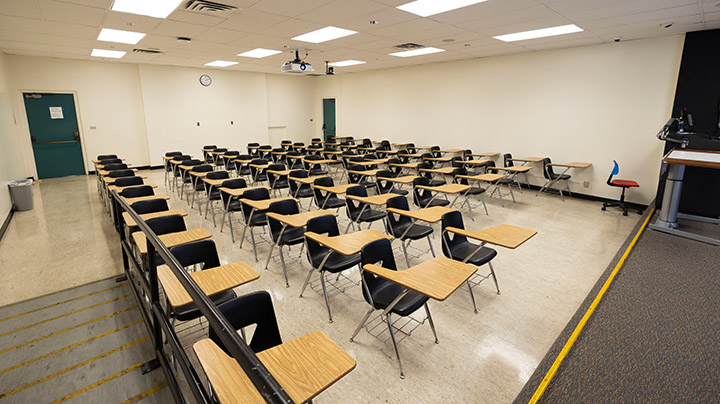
pixel 302 66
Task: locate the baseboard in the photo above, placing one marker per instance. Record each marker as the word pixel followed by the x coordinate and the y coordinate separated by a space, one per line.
pixel 6 222
pixel 630 205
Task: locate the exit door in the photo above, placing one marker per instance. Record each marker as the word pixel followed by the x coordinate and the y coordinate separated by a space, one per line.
pixel 328 117
pixel 54 134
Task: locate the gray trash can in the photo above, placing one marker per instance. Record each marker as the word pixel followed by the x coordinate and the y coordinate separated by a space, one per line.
pixel 21 194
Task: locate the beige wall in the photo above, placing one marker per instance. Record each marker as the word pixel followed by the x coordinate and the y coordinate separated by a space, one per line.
pixel 290 108
pixel 175 102
pixel 110 114
pixel 10 157
pixel 593 104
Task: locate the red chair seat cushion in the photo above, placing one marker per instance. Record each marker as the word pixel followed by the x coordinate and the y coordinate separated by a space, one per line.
pixel 624 183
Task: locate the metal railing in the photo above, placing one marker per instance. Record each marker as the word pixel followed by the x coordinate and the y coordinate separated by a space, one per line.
pixel 145 288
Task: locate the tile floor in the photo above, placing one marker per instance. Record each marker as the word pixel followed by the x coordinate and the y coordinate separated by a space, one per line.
pixel 487 357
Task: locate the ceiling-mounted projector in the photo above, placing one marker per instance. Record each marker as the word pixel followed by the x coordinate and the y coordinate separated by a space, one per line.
pixel 296 66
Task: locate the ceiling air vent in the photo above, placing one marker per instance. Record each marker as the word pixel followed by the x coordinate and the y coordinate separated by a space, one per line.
pixel 408 46
pixel 149 51
pixel 210 8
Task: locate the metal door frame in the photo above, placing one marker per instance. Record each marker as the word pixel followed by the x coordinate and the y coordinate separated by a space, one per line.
pixel 28 137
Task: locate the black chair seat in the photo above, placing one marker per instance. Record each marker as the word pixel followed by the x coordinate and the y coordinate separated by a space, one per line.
pixel 334 202
pixel 368 215
pixel 304 192
pixel 506 181
pixel 385 292
pixel 190 310
pixel 281 184
pixel 336 262
pixel 399 191
pixel 563 177
pixel 293 235
pixel 438 202
pixel 244 171
pixel 258 219
pixel 461 251
pixel 261 177
pixel 235 206
pixel 437 183
pixel 214 195
pixel 317 171
pixel 475 191
pixel 416 232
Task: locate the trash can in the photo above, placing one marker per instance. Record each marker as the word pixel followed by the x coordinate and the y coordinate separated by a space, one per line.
pixel 21 194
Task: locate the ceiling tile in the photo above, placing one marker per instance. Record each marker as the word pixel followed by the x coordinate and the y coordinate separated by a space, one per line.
pixel 288 8
pixel 510 18
pixel 523 26
pixel 24 45
pixel 158 41
pixel 291 28
pixel 74 42
pixel 130 22
pixel 22 24
pixel 178 29
pixel 629 8
pixel 340 10
pixel 20 8
pixel 23 37
pixel 195 18
pixel 251 21
pixel 71 13
pixel 71 30
pixel 418 24
pixel 70 50
pixel 104 4
pixel 483 10
pixel 221 35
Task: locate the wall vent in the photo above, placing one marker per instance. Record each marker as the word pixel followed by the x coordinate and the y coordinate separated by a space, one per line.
pixel 408 46
pixel 210 8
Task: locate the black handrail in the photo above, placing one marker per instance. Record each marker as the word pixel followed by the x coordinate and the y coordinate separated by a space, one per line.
pixel 264 382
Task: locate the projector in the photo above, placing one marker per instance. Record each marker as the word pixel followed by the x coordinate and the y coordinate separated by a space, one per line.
pixel 296 67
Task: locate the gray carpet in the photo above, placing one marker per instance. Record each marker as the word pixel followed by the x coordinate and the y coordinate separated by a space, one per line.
pixel 655 335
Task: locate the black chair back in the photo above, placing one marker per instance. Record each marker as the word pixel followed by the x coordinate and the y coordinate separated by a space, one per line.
pixel 115 166
pixel 396 171
pixel 121 173
pixel 384 186
pixel 547 169
pixel 127 181
pixel 284 207
pixel 279 181
pixel 150 206
pixel 398 202
pixel 166 224
pixel 421 197
pixel 235 183
pixel 378 252
pixel 203 252
pixel 108 156
pixel 257 173
pixel 507 160
pixel 460 171
pixel 385 145
pixel 256 194
pixel 295 185
pixel 435 151
pixel 253 308
pixel 326 225
pixel 452 219
pixel 134 192
pixel 111 161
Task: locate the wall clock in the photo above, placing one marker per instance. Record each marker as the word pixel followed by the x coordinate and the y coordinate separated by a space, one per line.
pixel 205 80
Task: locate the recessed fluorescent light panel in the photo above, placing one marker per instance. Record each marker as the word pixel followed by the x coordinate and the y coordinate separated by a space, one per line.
pixel 115 35
pixel 324 34
pixel 346 63
pixel 540 33
pixel 417 52
pixel 220 63
pixel 104 53
pixel 259 53
pixel 425 8
pixel 151 8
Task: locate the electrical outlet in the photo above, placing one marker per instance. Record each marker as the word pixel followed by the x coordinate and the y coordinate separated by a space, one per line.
pixel 586 184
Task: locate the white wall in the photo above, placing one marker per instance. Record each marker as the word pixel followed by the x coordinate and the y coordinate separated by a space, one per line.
pixel 108 98
pixel 290 107
pixel 175 102
pixel 10 157
pixel 591 104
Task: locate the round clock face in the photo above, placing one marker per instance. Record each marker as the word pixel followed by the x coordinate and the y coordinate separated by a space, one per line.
pixel 205 80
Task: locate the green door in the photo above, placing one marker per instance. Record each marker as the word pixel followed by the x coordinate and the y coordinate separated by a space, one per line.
pixel 328 117
pixel 54 134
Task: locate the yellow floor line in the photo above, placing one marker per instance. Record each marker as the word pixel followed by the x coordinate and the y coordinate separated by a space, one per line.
pixel 576 333
pixel 65 315
pixel 145 393
pixel 59 303
pixel 66 330
pixel 97 383
pixel 77 344
pixel 73 367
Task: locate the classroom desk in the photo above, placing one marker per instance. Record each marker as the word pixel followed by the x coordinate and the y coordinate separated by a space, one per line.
pixel 106 173
pixel 668 216
pixel 528 159
pixel 305 181
pixel 430 215
pixel 376 200
pixel 512 173
pixel 171 239
pixel 346 244
pixel 208 149
pixel 336 189
pixel 480 162
pixel 567 167
pixel 130 222
pixel 196 175
pixel 294 220
pixel 366 149
pixel 406 165
pixel 376 161
pixel 120 189
pixel 259 168
pixel 449 189
pixel 368 163
pixel 210 280
pixel 443 170
pixel 111 180
pixel 451 151
pixel 504 235
pixel 366 173
pixel 259 205
pixel 102 166
pixel 348 146
pixel 440 160
pixel 278 174
pixel 98 161
pixel 406 179
pixel 130 201
pixel 400 145
pixel 490 154
pixel 491 178
pixel 304 367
